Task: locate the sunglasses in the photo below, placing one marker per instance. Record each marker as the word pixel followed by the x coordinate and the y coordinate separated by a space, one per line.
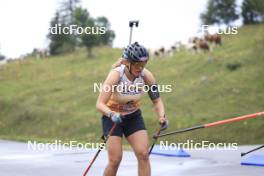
pixel 139 64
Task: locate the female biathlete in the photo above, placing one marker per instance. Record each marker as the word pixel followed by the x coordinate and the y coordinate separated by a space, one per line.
pixel 121 106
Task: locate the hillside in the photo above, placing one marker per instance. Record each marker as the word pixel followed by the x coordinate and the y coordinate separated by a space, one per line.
pixel 53 98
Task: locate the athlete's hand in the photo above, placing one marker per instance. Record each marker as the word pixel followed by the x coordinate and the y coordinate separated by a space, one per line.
pixel 116 117
pixel 164 123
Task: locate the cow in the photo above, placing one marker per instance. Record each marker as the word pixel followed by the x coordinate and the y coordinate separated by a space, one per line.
pixel 214 38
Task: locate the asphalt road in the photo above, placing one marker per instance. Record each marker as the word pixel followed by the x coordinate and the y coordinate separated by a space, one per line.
pixel 16 159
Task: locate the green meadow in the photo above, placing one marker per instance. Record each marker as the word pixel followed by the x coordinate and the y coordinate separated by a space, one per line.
pixel 54 98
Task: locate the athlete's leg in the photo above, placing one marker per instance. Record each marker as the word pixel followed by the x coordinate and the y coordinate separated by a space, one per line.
pixel 140 145
pixel 114 149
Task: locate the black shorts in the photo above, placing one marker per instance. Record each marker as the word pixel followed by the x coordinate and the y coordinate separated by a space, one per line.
pixel 131 123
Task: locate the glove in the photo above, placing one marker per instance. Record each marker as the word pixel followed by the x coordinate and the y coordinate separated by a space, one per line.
pixel 164 123
pixel 116 117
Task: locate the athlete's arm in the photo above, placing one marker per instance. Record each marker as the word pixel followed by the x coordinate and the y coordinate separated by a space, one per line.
pixel 104 96
pixel 154 95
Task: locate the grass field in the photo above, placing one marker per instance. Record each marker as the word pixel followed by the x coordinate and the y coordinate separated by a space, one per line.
pixel 47 99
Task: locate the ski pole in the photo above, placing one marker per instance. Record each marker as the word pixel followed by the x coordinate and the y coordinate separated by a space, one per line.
pixel 156 134
pixel 243 154
pixel 99 150
pixel 214 124
pixel 154 140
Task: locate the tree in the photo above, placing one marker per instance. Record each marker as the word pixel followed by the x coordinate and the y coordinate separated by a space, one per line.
pixel 2 57
pixel 209 16
pixel 83 19
pixel 61 42
pixel 74 19
pixel 67 10
pixel 108 37
pixel 252 11
pixel 219 12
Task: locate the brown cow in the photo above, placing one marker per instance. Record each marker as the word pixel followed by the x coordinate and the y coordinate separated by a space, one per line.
pixel 162 50
pixel 203 45
pixel 156 53
pixel 200 44
pixel 215 38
